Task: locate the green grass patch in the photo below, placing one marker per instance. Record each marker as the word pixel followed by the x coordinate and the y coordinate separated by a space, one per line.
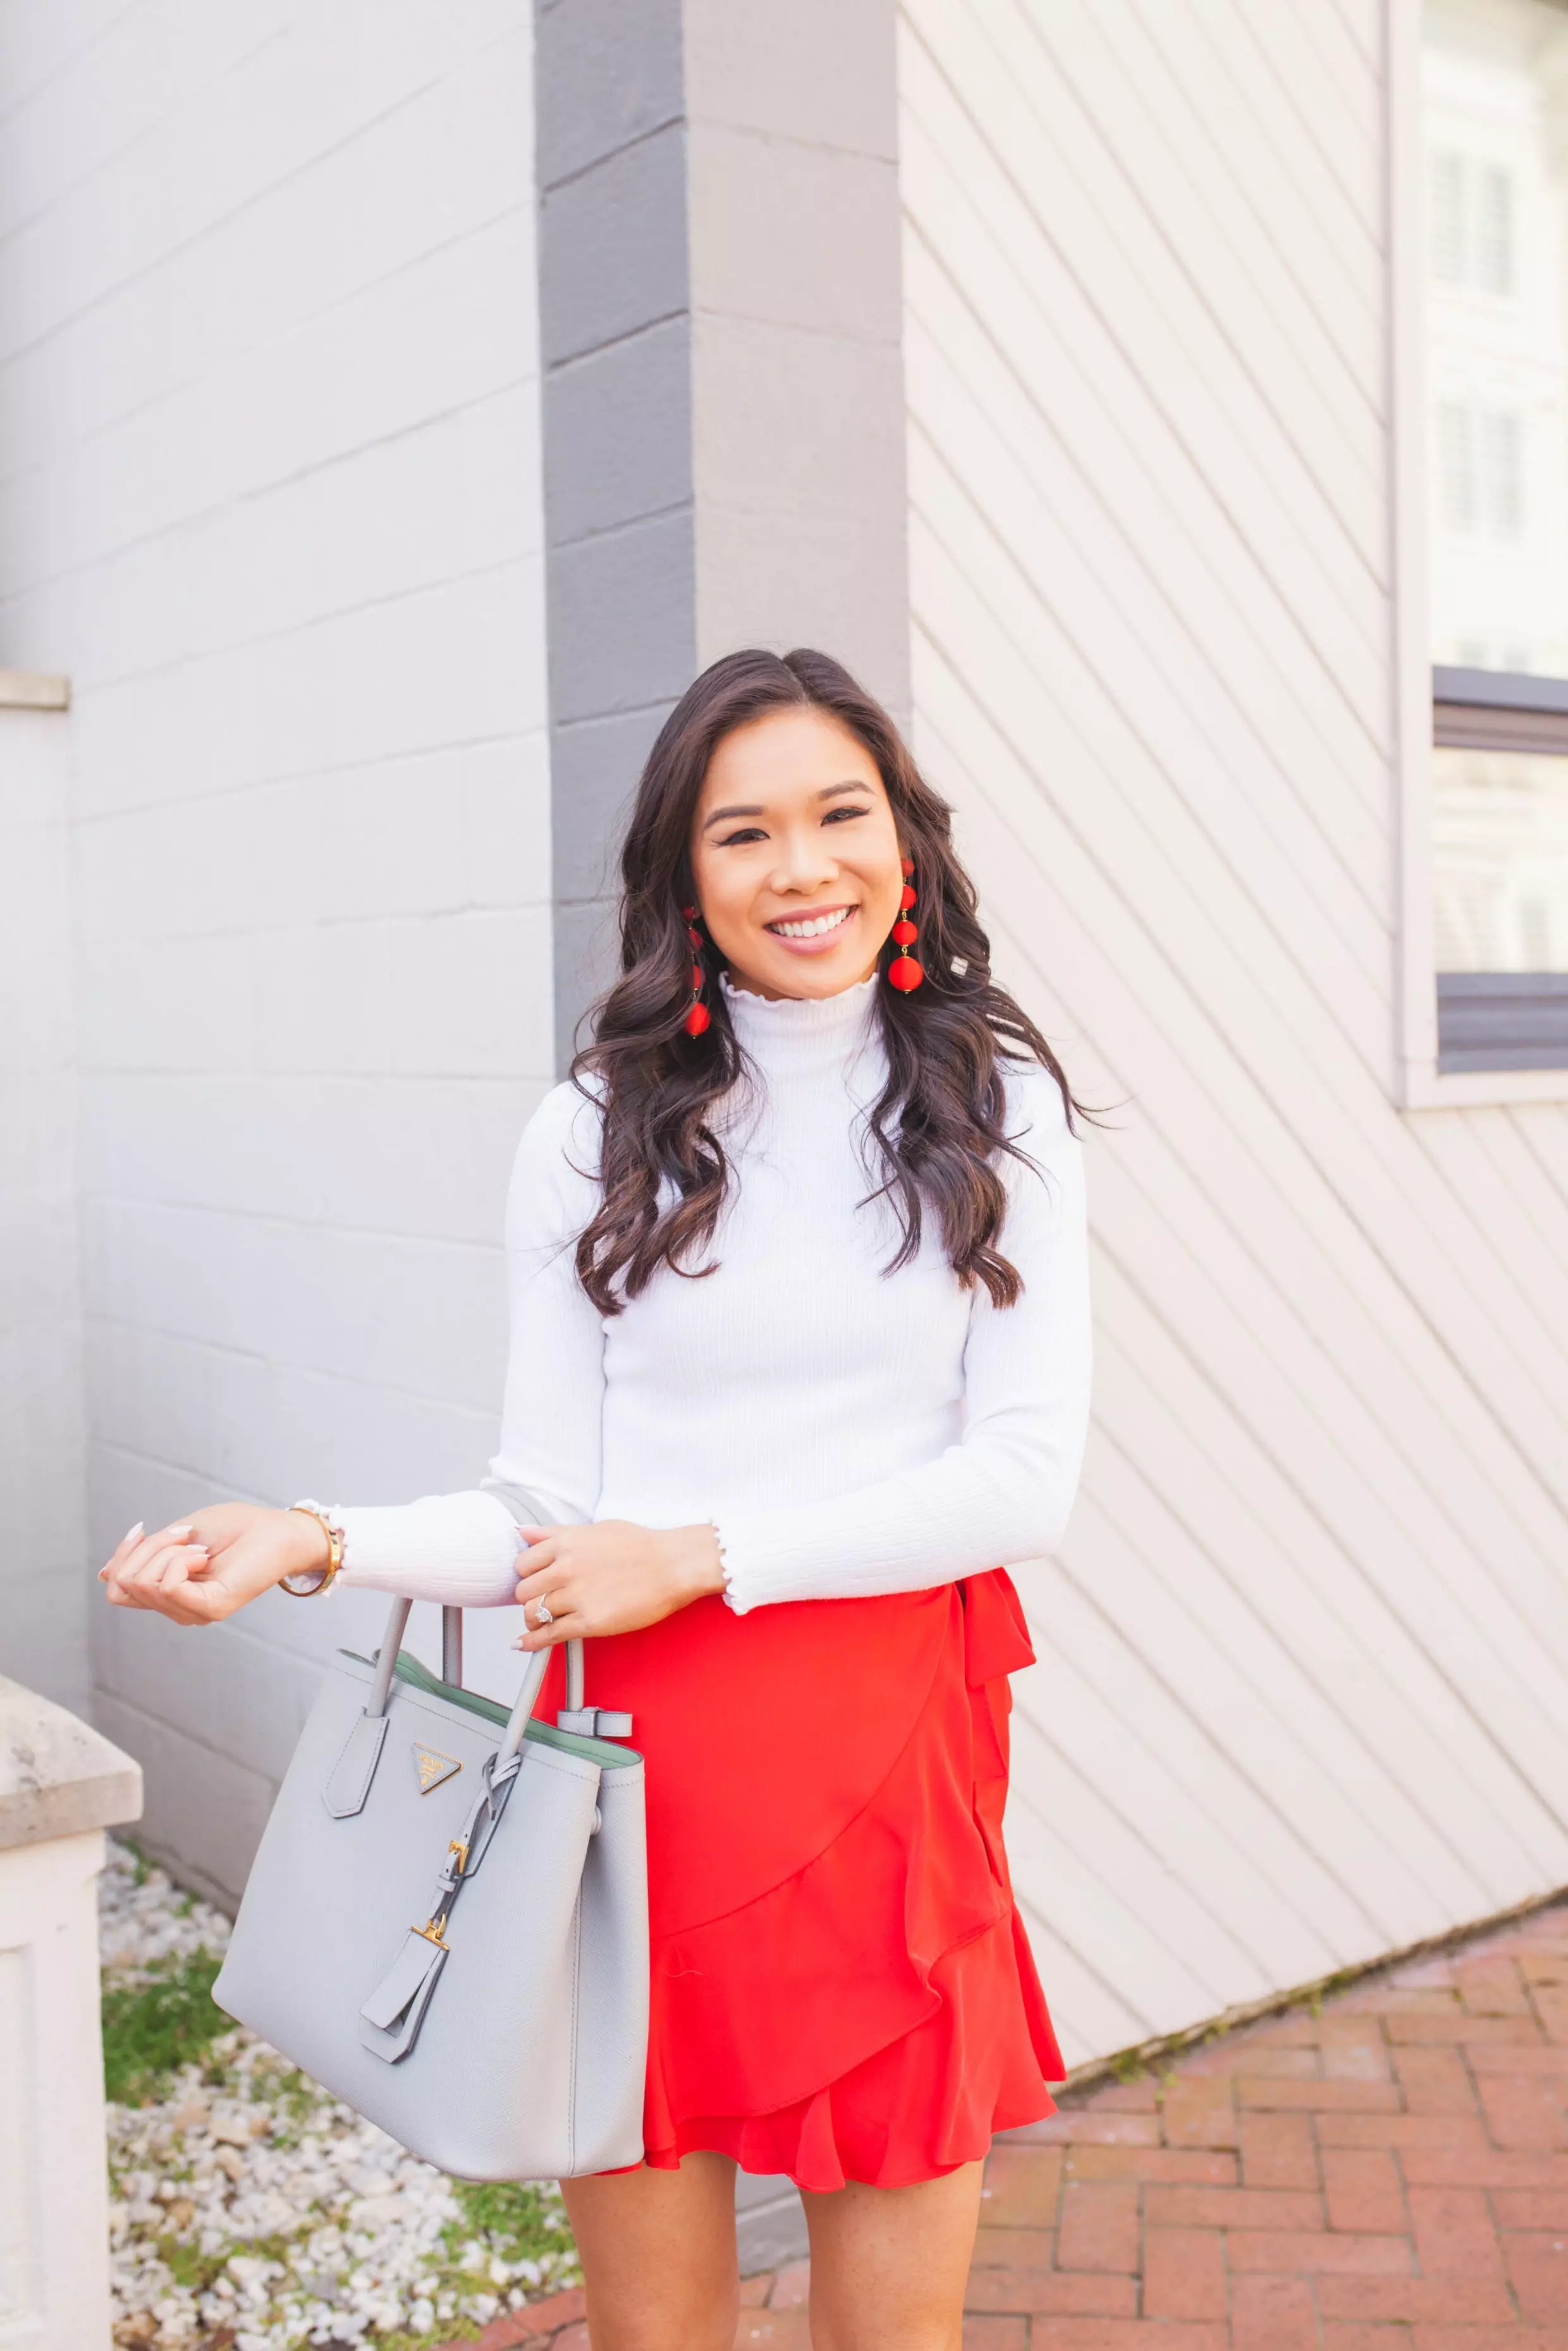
pixel 141 1867
pixel 152 2028
pixel 188 2265
pixel 514 2220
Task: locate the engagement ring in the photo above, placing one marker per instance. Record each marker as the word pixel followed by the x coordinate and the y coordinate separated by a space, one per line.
pixel 543 1612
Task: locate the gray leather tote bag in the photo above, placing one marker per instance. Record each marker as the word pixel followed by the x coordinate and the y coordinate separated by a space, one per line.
pixel 447 1923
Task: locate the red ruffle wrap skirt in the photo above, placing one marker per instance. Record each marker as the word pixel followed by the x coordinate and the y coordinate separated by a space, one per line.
pixel 842 1987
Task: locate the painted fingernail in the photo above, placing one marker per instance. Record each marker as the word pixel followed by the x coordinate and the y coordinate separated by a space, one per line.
pixel 177 1534
pixel 133 1534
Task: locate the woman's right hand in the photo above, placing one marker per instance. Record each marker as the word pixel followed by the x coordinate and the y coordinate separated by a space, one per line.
pixel 204 1566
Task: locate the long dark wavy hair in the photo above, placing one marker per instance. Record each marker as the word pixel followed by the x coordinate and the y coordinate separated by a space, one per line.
pixel 937 1126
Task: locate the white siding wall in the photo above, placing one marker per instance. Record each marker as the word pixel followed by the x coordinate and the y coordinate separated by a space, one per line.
pixel 1303 1689
pixel 268 393
pixel 43 1600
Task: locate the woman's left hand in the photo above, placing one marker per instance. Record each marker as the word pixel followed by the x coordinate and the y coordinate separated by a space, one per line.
pixel 614 1577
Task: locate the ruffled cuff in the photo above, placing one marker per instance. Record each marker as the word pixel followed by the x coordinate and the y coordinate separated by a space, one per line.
pixel 732 1597
pixel 723 1562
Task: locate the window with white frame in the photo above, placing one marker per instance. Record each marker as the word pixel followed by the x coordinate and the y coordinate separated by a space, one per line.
pixel 1495 109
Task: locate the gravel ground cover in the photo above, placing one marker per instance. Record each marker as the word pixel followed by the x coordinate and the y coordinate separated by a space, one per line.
pixel 251 2212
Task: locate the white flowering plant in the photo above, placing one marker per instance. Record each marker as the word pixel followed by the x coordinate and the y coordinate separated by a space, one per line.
pixel 252 2211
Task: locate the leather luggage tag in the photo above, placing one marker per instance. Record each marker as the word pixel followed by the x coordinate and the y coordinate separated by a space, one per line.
pixel 390 2018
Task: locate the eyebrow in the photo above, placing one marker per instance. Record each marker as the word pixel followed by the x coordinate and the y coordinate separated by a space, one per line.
pixel 828 792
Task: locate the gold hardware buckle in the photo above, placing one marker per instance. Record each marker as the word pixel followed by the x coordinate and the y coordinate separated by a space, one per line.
pixel 434 1928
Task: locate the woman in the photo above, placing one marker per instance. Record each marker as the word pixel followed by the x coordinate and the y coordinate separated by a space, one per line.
pixel 798 1364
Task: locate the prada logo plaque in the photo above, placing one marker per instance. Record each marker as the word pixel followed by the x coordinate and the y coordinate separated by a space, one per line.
pixel 432 1766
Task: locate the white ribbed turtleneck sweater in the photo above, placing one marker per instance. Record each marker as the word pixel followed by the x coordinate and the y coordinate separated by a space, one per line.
pixel 847 1431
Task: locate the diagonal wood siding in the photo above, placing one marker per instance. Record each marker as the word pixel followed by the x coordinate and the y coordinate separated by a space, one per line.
pixel 1303 1689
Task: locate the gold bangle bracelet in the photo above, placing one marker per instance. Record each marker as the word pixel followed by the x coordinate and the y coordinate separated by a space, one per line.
pixel 327 1576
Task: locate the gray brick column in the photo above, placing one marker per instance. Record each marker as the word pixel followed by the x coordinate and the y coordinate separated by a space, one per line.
pixel 723 395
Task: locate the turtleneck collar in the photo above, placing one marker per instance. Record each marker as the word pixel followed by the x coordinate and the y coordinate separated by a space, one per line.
pixel 803 1033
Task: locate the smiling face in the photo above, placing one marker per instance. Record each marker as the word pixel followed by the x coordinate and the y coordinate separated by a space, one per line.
pixel 795 855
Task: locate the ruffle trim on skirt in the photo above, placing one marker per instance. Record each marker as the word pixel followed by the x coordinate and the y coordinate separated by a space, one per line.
pixel 876 2016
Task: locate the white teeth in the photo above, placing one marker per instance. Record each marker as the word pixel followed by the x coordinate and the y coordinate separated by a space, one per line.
pixel 815 927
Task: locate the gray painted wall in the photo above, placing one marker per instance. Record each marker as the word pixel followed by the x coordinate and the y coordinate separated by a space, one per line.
pixel 269 385
pixel 43 1538
pixel 724 425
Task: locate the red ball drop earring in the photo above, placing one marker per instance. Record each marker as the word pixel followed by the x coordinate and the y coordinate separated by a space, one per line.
pixel 904 973
pixel 698 1014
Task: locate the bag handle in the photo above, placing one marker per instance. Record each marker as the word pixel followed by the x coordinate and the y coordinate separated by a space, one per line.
pixel 451 1653
pixel 386 1659
pixel 523 1706
pixel 592 1721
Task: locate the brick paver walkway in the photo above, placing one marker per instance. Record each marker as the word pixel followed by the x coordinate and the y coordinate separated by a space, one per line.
pixel 1390 2174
